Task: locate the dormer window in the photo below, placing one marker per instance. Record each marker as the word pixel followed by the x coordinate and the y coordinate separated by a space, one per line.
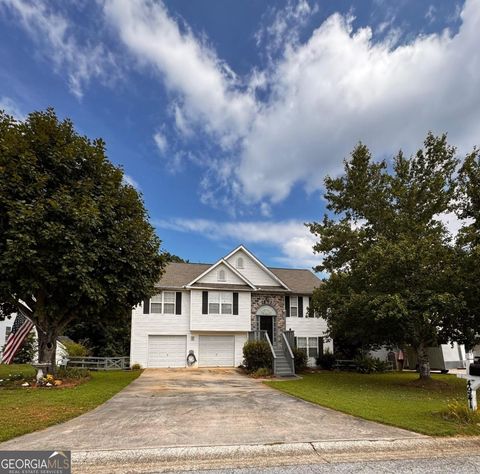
pixel 239 262
pixel 221 275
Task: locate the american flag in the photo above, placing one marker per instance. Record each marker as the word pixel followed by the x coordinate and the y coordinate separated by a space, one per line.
pixel 20 330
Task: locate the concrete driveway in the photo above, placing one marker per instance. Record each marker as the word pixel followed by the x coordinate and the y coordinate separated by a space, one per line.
pixel 181 407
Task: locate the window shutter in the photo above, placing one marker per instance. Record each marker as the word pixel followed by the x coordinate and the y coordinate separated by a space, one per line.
pixel 320 346
pixel 310 315
pixel 146 306
pixel 204 302
pixel 295 342
pixel 235 303
pixel 287 306
pixel 300 306
pixel 178 302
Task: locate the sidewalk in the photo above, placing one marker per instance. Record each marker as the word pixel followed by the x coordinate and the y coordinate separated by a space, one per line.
pixel 241 456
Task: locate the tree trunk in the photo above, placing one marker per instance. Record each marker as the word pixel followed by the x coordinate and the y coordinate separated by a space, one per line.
pixel 47 347
pixel 423 362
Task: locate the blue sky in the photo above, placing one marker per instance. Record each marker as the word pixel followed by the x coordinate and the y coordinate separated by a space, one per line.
pixel 228 114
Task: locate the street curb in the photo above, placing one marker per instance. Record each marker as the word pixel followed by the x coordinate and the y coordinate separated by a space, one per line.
pixel 323 450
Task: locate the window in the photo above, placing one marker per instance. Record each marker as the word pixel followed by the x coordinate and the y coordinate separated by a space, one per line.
pixel 169 302
pixel 221 275
pixel 156 304
pixel 220 302
pixel 293 306
pixel 309 345
pixel 8 330
pixel 312 347
pixel 165 300
pixel 227 302
pixel 213 302
pixel 239 262
pixel 302 344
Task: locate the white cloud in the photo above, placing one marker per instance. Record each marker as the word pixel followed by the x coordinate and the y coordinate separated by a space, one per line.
pixel 291 238
pixel 285 27
pixel 324 96
pixel 189 67
pixel 11 108
pixel 340 87
pixel 54 31
pixel 161 141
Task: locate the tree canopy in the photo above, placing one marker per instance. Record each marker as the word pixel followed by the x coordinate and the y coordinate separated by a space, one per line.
pixel 75 241
pixel 394 277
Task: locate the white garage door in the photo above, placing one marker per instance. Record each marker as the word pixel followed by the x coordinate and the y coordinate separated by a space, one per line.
pixel 167 351
pixel 216 351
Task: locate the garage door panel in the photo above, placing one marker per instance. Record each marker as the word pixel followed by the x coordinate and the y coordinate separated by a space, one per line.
pixel 216 351
pixel 167 351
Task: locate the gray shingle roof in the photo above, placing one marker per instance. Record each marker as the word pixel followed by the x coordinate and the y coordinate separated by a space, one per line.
pixel 177 275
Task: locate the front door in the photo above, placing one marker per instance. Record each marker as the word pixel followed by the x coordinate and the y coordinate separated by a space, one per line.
pixel 266 324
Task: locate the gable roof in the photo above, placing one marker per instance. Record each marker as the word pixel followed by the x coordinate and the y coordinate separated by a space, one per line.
pixel 179 275
pixel 232 269
pixel 259 263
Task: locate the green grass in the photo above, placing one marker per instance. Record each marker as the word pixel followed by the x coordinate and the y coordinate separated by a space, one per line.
pixel 23 410
pixel 394 399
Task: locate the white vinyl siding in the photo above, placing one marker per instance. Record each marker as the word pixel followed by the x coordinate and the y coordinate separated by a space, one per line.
pixel 251 270
pixel 166 351
pixel 228 276
pixel 144 325
pixel 216 321
pixel 216 351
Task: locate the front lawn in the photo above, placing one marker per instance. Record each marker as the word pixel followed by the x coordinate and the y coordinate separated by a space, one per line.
pixel 394 398
pixel 23 410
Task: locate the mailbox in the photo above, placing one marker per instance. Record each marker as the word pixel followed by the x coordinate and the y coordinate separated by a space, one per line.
pixel 474 368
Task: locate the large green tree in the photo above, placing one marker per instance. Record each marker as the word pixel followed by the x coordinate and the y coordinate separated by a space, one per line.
pixel 468 246
pixel 390 260
pixel 75 241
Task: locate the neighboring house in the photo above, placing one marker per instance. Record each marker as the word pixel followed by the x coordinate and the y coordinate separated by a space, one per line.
pixel 211 310
pixel 5 329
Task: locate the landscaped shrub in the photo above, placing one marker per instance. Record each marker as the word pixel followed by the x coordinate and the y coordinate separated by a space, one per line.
pixel 71 373
pixel 136 367
pixel 367 364
pixel 326 360
pixel 76 349
pixel 257 355
pixel 301 359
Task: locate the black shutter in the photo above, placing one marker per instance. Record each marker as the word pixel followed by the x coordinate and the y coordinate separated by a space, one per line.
pixel 320 346
pixel 287 306
pixel 178 302
pixel 300 306
pixel 295 342
pixel 204 302
pixel 235 303
pixel 146 306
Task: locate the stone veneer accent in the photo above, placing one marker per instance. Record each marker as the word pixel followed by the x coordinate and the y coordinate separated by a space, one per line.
pixel 277 302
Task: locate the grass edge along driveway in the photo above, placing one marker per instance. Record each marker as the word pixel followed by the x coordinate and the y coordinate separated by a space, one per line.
pixel 393 398
pixel 23 410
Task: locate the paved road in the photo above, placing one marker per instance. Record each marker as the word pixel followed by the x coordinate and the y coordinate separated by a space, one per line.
pixel 201 407
pixel 454 465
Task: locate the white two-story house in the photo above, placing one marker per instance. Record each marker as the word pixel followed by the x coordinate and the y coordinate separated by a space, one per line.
pixel 210 311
